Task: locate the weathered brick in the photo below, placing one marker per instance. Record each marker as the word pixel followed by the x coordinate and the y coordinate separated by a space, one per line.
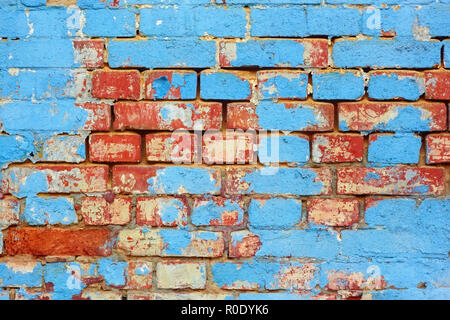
pixel 229 147
pixel 274 53
pixel 124 147
pixel 348 85
pixel 170 85
pixel 54 179
pixel 282 84
pixel 264 275
pixel 181 275
pixel 278 22
pixel 19 272
pixel 243 244
pixel 176 147
pixel 171 242
pixel 333 212
pixel 49 211
pixel 337 21
pixel 394 180
pixel 167 116
pixel 217 211
pixel 332 148
pixel 116 84
pixel 98 295
pixel 161 211
pixel 99 116
pixel 389 116
pixel 63 242
pixel 291 149
pixel 268 115
pixel 437 85
pixel 166 180
pixel 264 213
pixel 397 148
pixel 293 181
pixel 438 148
pixel 139 275
pixel 89 53
pixel 225 86
pixel 9 212
pixel 403 85
pixel 97 211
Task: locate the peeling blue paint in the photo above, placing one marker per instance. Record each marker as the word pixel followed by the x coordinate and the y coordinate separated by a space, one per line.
pixel 291 149
pixel 176 180
pixel 407 119
pixel 49 211
pixel 114 272
pixel 15 275
pixel 391 86
pixel 337 86
pixel 223 86
pixel 281 182
pixel 206 212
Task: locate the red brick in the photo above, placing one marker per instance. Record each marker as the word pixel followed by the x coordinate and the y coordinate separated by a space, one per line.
pixel 97 211
pixel 122 147
pixel 140 274
pixel 438 148
pixel 333 212
pixel 437 85
pixel 173 92
pixel 99 117
pixel 116 84
pixel 391 181
pixel 132 178
pixel 151 211
pixel 244 116
pixel 366 116
pixel 175 147
pixel 89 53
pixel 229 148
pixel 62 242
pixel 332 148
pixel 60 178
pixel 167 116
pixel 243 244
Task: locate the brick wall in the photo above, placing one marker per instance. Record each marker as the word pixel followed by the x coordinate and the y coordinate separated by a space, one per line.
pixel 270 149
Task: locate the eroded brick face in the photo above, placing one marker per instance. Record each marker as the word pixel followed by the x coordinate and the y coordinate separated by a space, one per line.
pixel 224 149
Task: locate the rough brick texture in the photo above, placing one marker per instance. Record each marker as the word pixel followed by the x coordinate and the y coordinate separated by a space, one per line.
pixel 238 149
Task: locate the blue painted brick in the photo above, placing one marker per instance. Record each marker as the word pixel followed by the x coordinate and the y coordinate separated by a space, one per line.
pixel 16 274
pixel 447 54
pixel 224 86
pixel 175 180
pixel 292 149
pixel 278 22
pixel 395 85
pixel 265 2
pixel 297 243
pixel 110 23
pixel 46 116
pixel 165 2
pixel 262 275
pixel 282 84
pixel 386 53
pixel 393 149
pixel 162 53
pixel 49 211
pixel 217 211
pixel 18 19
pixel 333 21
pixel 289 181
pixel 193 21
pixel 100 4
pixel 35 53
pixel 24 84
pixel 436 19
pixel 338 85
pixel 266 213
pixel 114 272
